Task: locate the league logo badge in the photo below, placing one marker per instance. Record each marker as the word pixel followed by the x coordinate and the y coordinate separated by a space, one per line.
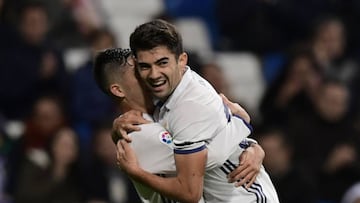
pixel 166 138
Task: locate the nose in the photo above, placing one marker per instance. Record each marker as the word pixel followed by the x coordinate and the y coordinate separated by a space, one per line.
pixel 154 72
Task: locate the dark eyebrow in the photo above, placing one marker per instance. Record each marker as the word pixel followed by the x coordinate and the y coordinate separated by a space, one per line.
pixel 143 64
pixel 162 59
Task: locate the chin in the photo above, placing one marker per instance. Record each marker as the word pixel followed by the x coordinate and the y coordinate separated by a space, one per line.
pixel 160 95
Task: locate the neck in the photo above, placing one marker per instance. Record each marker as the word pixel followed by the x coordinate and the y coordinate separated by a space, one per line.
pixel 126 106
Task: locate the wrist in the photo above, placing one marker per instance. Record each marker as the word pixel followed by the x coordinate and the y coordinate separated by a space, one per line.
pixel 247 142
pixel 258 150
pixel 135 172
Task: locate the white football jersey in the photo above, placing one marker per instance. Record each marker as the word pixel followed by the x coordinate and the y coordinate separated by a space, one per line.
pixel 195 116
pixel 154 150
pixel 217 189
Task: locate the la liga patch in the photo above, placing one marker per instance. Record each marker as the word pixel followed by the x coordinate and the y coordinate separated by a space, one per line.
pixel 166 138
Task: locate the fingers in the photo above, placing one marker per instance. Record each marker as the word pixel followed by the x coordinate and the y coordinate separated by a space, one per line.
pixel 134 117
pixel 249 184
pixel 125 123
pixel 115 136
pixel 124 131
pixel 247 171
pixel 120 134
pixel 125 145
pixel 235 108
pixel 239 173
pixel 243 157
pixel 117 156
pixel 225 99
pixel 120 150
pixel 245 177
pixel 247 181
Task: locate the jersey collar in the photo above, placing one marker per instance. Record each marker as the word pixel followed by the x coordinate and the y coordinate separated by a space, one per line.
pixel 185 80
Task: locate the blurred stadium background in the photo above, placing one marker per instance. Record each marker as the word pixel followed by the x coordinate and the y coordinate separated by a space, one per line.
pixel 293 64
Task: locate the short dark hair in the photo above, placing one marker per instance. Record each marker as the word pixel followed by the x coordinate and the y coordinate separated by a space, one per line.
pixel 156 33
pixel 106 62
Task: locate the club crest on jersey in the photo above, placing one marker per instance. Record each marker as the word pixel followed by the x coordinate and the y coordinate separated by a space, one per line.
pixel 165 137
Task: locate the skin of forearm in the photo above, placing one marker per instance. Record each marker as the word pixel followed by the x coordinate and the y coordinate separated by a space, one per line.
pixel 187 186
pixel 172 187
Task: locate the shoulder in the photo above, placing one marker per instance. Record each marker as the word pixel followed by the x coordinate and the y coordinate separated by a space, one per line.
pixel 149 128
pixel 193 110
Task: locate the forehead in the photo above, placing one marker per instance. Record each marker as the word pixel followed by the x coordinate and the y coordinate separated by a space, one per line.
pixel 153 54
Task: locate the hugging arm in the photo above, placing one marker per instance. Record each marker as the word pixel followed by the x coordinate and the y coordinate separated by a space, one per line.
pixel 251 159
pixel 127 123
pixel 190 156
pixel 250 163
pixel 187 186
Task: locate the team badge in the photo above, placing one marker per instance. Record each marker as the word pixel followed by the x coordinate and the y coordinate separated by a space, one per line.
pixel 166 138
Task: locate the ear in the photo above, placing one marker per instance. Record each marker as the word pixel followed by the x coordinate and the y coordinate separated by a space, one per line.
pixel 115 89
pixel 183 59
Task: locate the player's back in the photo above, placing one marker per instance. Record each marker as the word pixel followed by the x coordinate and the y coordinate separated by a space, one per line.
pixel 216 186
pixel 154 150
pixel 217 189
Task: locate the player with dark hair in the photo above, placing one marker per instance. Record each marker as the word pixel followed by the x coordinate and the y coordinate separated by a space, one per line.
pixel 194 114
pixel 114 73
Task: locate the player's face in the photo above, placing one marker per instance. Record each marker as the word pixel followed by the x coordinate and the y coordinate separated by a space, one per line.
pixel 160 70
pixel 132 88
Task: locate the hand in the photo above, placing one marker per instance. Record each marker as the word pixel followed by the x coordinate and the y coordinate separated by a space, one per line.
pixel 126 158
pixel 126 123
pixel 250 163
pixel 236 109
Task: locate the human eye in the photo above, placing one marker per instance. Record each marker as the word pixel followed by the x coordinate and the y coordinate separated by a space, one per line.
pixel 163 63
pixel 143 66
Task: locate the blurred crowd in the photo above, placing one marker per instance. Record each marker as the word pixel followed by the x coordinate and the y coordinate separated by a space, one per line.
pixel 55 124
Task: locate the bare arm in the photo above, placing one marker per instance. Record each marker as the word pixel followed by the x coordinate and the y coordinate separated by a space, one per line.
pixel 187 186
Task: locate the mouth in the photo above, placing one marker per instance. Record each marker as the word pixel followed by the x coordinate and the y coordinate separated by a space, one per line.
pixel 157 85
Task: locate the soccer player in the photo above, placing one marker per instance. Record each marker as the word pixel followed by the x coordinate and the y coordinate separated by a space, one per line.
pixel 194 114
pixel 114 73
